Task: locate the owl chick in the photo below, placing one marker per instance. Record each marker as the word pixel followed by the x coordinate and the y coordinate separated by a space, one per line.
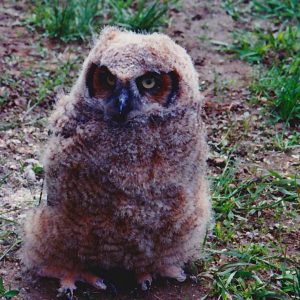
pixel 125 167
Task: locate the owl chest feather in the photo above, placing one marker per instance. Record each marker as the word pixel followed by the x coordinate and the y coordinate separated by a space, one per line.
pixel 128 167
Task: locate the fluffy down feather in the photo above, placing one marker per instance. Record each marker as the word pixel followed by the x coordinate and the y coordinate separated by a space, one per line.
pixel 132 196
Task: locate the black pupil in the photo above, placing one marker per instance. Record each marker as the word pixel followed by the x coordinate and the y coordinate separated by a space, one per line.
pixel 149 82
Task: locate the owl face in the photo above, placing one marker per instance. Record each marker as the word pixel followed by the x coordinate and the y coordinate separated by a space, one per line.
pixel 120 97
pixel 128 74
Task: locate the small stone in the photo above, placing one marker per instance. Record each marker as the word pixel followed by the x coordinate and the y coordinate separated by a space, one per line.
pixel 29 174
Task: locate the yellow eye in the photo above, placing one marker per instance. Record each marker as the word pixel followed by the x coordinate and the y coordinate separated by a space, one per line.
pixel 111 80
pixel 148 83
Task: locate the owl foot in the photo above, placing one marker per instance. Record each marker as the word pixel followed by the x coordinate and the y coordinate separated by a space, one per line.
pixel 95 281
pixel 67 287
pixel 144 280
pixel 173 272
pixel 68 279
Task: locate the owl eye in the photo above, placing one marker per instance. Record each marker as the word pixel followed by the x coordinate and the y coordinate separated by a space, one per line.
pixel 148 83
pixel 100 81
pixel 158 87
pixel 110 79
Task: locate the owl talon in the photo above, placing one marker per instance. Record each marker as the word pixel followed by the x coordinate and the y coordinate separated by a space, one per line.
pixel 145 286
pixel 67 290
pixel 99 284
pixel 145 281
pixel 181 277
pixel 93 280
pixel 174 272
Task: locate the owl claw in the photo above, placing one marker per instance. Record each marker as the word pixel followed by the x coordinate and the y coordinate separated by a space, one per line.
pixel 174 272
pixel 145 286
pixel 99 284
pixel 145 281
pixel 181 277
pixel 67 290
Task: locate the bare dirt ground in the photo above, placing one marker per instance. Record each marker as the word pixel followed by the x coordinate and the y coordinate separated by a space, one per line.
pixel 23 131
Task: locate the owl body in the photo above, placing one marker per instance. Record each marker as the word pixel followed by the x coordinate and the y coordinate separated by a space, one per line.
pixel 125 189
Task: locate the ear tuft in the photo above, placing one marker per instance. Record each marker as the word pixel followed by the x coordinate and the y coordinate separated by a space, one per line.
pixel 109 33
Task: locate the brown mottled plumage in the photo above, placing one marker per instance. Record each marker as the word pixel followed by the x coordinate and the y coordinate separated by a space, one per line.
pixel 125 167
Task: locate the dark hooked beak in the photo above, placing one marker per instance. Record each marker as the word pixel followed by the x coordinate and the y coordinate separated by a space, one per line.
pixel 121 106
pixel 123 101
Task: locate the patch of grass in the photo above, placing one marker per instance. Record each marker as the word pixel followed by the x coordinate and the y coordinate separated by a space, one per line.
pixel 232 8
pixel 280 85
pixel 7 79
pixel 78 19
pixel 9 125
pixel 279 10
pixel 297 284
pixel 235 200
pixel 277 48
pixel 9 242
pixel 9 238
pixel 38 170
pixel 284 143
pixel 3 180
pixel 47 81
pixel 39 83
pixel 253 274
pixel 4 95
pixel 279 82
pixel 66 20
pixel 7 293
pixel 266 47
pixel 139 15
pixel 255 270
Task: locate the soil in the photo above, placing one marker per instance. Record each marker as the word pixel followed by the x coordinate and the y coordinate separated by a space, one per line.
pixel 198 26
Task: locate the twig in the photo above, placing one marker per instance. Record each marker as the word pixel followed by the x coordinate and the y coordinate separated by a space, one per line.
pixel 10 248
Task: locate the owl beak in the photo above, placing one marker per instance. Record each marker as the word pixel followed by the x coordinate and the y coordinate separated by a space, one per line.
pixel 123 101
pixel 121 106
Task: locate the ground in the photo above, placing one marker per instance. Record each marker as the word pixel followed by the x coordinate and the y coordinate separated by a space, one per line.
pixel 238 132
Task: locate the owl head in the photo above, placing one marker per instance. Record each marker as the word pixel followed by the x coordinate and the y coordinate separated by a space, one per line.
pixel 127 74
